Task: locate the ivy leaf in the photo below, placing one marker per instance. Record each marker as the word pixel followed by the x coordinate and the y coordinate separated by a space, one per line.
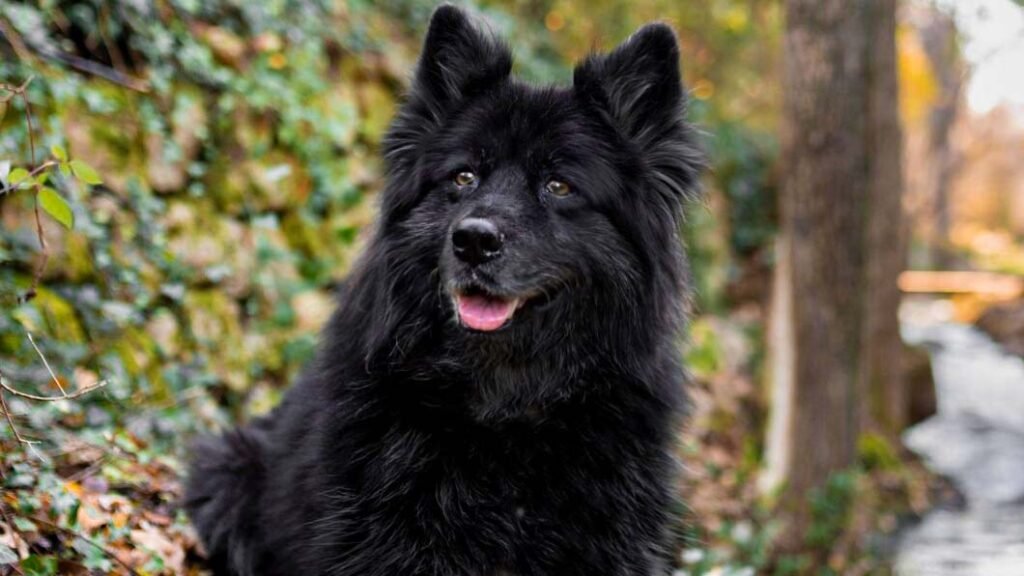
pixel 59 153
pixel 56 206
pixel 85 173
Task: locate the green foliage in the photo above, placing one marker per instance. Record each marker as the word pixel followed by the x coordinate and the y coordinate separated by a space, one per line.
pixel 831 507
pixel 198 222
pixel 56 206
pixel 249 133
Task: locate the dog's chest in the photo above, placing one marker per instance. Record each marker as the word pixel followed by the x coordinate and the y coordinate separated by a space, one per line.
pixel 495 493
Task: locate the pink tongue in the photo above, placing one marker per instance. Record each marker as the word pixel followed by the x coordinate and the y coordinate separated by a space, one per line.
pixel 484 313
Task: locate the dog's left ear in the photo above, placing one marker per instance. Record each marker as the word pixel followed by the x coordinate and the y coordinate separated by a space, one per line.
pixel 459 58
pixel 638 84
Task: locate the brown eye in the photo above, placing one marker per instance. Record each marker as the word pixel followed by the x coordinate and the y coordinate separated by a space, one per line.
pixel 465 178
pixel 557 188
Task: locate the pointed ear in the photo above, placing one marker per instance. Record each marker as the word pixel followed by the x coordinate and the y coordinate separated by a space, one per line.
pixel 638 88
pixel 459 59
pixel 638 84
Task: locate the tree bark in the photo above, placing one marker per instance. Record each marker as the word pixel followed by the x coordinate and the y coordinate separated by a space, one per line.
pixel 882 385
pixel 834 326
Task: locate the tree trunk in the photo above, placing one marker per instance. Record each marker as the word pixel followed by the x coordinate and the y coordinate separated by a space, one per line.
pixel 834 320
pixel 882 384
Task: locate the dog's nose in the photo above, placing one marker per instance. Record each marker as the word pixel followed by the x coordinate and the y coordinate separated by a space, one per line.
pixel 476 240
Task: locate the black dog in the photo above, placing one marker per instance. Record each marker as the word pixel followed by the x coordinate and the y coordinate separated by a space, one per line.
pixel 499 390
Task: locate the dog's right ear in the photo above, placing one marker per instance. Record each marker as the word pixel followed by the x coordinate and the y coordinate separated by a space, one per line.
pixel 459 59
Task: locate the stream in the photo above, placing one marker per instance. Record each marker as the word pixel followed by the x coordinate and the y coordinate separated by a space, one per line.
pixel 977 441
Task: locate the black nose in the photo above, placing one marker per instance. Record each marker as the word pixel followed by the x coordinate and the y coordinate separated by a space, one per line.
pixel 476 240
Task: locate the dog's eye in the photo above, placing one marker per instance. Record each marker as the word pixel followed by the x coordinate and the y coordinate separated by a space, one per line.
pixel 557 188
pixel 465 178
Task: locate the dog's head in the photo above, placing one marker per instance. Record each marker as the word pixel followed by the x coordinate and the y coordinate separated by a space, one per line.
pixel 536 213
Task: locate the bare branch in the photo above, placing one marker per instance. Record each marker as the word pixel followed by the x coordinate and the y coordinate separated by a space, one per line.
pixel 77 394
pixel 46 363
pixel 28 117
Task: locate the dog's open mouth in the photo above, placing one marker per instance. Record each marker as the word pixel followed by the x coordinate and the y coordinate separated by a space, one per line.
pixel 484 312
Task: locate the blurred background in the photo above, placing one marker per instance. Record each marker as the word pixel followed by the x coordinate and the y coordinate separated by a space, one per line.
pixel 184 183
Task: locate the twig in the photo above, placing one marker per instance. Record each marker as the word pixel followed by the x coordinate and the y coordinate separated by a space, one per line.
pixel 47 364
pixel 15 90
pixel 36 172
pixel 72 396
pixel 4 387
pixel 28 117
pixel 43 248
pixel 87 540
pixel 22 92
pixel 10 421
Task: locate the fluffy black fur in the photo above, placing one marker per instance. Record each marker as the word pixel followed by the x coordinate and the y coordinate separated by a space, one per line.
pixel 414 446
